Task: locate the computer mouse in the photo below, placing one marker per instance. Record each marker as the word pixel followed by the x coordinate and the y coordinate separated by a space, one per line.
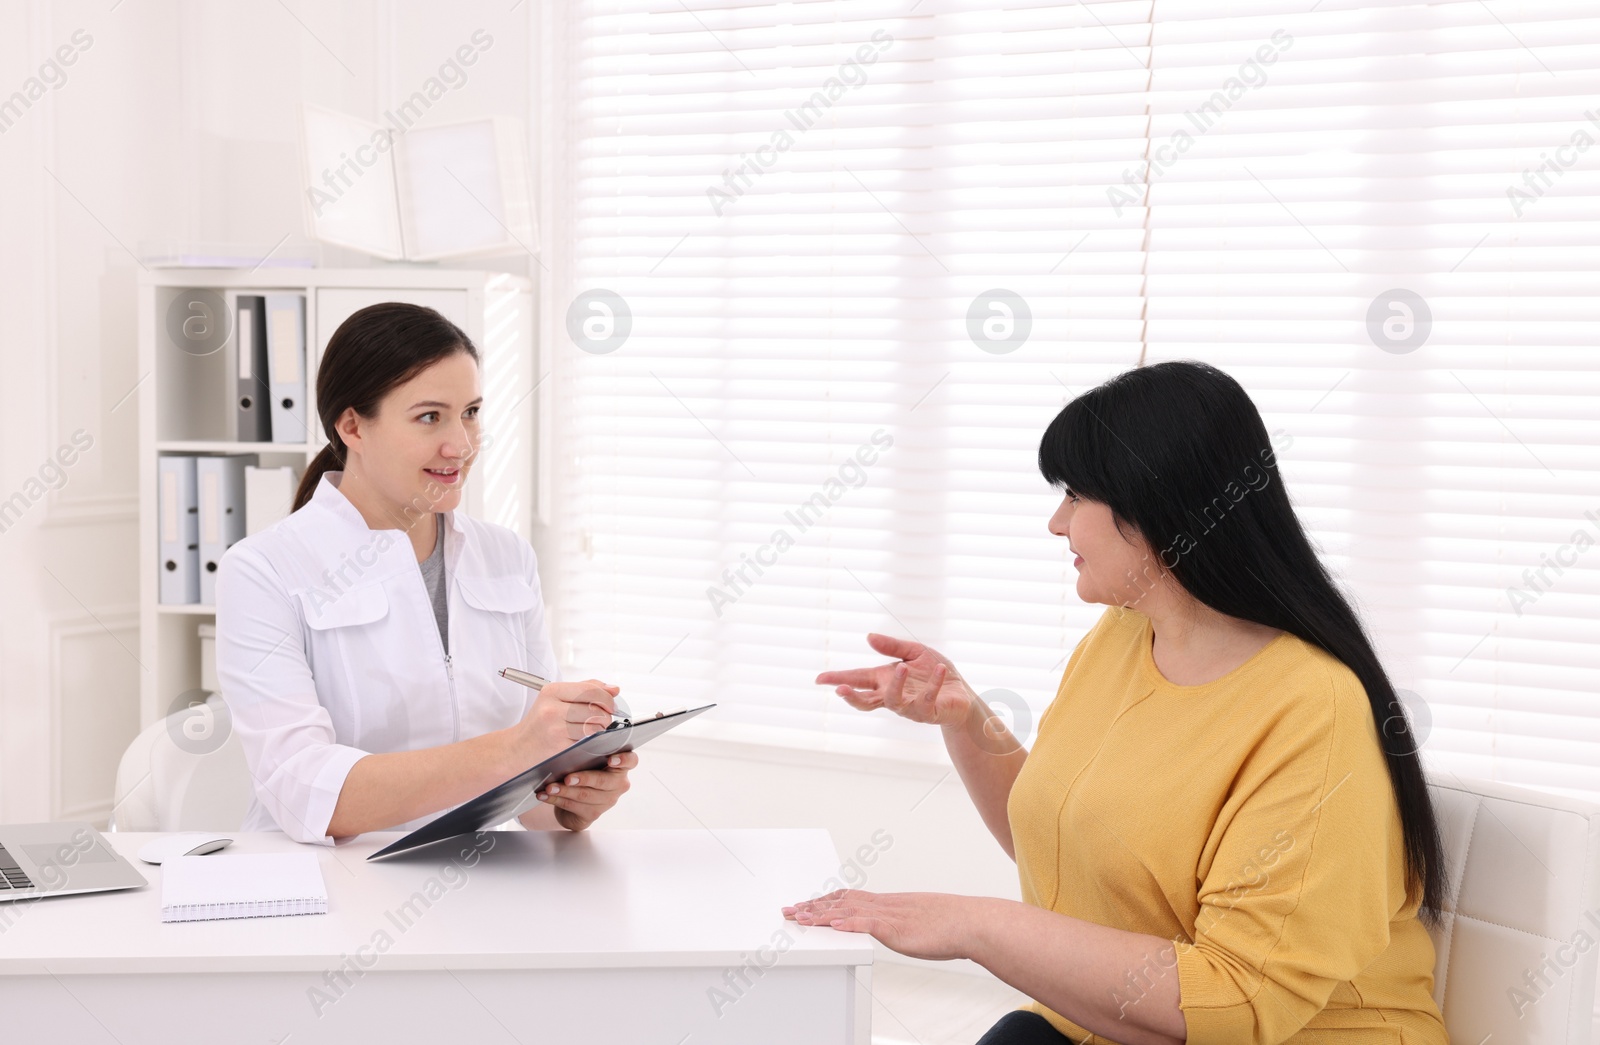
pixel 186 843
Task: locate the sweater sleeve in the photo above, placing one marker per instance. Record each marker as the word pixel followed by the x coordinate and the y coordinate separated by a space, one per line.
pixel 1297 897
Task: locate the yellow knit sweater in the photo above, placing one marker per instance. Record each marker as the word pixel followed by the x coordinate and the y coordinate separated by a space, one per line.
pixel 1251 821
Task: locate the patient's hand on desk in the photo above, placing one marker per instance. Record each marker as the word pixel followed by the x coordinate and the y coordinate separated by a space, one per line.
pixel 922 685
pixel 579 799
pixel 936 926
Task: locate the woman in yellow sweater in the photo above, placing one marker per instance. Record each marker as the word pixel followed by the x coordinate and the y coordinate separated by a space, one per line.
pixel 1222 830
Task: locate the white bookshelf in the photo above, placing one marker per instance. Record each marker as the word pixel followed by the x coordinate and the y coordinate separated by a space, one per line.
pixel 186 406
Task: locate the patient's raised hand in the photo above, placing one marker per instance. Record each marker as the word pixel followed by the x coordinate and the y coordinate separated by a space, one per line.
pixel 921 684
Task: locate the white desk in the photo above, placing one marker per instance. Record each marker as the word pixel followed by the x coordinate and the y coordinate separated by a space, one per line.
pixel 606 936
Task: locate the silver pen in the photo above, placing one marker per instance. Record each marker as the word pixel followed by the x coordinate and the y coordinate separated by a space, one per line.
pixel 536 683
pixel 524 678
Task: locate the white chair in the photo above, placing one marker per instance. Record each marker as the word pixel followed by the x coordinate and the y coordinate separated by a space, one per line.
pixel 1519 940
pixel 186 772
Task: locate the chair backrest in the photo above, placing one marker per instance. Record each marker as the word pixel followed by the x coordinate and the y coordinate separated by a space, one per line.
pixel 1519 940
pixel 185 772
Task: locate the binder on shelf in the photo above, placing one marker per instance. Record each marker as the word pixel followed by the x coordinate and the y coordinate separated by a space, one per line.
pixel 220 482
pixel 252 404
pixel 286 362
pixel 178 532
pixel 268 495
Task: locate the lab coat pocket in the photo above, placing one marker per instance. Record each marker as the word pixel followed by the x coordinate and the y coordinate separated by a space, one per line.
pixel 497 608
pixel 347 654
pixel 498 594
pixel 356 606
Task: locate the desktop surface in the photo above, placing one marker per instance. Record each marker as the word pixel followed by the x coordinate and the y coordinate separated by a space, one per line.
pixel 685 924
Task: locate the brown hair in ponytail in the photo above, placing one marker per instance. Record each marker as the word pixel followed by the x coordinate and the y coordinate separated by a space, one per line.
pixel 375 350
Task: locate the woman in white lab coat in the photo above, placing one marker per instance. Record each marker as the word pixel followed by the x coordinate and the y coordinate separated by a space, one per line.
pixel 359 639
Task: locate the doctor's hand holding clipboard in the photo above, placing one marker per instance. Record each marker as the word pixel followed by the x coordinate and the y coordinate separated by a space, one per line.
pixel 360 640
pixel 572 711
pixel 563 712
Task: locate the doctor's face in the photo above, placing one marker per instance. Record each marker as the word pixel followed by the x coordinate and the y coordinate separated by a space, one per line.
pixel 417 452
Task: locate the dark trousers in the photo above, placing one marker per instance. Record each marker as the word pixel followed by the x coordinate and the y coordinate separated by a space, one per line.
pixel 1023 1028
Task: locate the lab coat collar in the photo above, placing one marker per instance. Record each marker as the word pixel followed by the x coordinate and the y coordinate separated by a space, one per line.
pixel 380 553
pixel 327 495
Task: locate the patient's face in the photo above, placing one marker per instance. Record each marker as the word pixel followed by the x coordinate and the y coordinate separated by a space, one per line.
pixel 425 428
pixel 1117 566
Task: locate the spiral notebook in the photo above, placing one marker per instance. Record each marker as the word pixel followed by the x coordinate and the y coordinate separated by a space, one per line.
pixel 242 885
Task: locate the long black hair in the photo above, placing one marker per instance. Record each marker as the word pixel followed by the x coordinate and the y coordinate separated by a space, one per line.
pixel 378 348
pixel 1179 453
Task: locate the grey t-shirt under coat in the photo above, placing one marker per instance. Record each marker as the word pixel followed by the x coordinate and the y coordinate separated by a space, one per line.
pixel 433 576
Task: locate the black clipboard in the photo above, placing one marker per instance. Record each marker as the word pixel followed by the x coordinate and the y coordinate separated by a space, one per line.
pixel 516 796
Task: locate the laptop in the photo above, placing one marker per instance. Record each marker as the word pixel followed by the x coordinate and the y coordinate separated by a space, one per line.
pixel 38 860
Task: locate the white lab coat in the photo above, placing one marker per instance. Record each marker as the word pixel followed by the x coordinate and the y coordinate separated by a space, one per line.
pixel 328 650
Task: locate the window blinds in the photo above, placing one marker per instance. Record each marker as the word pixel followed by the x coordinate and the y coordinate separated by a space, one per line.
pixel 822 273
